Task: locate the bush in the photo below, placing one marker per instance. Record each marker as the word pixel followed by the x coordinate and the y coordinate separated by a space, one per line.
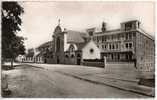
pixel 7 67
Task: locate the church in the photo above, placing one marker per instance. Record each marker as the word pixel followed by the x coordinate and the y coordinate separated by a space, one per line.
pixel 65 47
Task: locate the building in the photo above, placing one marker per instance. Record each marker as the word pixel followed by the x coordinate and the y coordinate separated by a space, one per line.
pixel 44 53
pixel 20 58
pixel 128 44
pixel 91 51
pixel 67 46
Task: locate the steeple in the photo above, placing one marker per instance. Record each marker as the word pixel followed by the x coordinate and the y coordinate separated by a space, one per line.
pixel 58 28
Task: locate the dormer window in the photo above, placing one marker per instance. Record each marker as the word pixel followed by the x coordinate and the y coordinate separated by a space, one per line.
pixel 91 33
pixel 134 24
pixel 128 26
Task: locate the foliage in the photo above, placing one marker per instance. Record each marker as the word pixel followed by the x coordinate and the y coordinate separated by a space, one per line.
pixel 12 45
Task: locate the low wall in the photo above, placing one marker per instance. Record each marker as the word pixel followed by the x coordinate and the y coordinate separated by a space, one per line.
pixel 93 63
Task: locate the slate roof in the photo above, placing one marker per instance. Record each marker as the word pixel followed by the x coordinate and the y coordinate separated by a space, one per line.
pixel 46 44
pixel 76 37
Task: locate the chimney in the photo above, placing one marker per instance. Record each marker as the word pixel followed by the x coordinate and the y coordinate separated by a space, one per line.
pixel 103 29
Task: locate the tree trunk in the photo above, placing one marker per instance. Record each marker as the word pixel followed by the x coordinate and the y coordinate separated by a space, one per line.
pixel 12 60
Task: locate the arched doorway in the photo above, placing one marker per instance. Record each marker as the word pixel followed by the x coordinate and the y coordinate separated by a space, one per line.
pixel 45 61
pixel 57 60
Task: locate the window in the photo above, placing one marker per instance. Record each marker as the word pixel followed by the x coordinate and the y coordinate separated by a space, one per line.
pixel 128 26
pixel 102 38
pixel 91 33
pixel 71 48
pixel 130 45
pixel 116 46
pixel 112 56
pixel 126 45
pixel 134 34
pixel 146 41
pixel 72 56
pixel 130 36
pixel 110 46
pixel 79 55
pixel 113 46
pixel 66 56
pixel 118 56
pixel 91 50
pixel 97 39
pixel 118 36
pixel 58 44
pixel 112 37
pixel 126 36
pixel 103 46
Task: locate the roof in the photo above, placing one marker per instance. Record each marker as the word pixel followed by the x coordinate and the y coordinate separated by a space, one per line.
pixel 131 21
pixel 58 29
pixel 30 54
pixel 81 45
pixel 117 31
pixel 76 37
pixel 146 34
pixel 109 32
pixel 93 43
pixel 46 44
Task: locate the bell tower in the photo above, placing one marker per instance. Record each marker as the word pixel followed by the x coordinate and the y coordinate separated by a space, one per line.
pixel 58 39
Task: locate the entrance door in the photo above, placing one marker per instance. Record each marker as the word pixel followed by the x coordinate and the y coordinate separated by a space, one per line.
pixel 78 59
pixel 45 61
pixel 57 60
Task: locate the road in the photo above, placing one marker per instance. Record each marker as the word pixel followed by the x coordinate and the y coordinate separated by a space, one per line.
pixel 28 81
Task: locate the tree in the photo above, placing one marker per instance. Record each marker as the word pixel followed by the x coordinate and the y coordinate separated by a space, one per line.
pixel 12 45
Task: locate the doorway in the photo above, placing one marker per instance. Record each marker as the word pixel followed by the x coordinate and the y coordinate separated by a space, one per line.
pixel 57 60
pixel 78 59
pixel 45 61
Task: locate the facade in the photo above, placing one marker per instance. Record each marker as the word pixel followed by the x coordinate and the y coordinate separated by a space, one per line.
pixel 91 51
pixel 129 43
pixel 66 46
pixel 20 58
pixel 44 53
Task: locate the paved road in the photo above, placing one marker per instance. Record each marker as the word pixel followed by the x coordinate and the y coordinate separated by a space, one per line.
pixel 27 81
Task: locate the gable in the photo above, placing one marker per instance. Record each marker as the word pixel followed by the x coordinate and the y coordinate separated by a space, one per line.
pixel 90 51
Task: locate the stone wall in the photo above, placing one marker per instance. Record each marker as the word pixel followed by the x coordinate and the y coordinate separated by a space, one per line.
pixel 145 55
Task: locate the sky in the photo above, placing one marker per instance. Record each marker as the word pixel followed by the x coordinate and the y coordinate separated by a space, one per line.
pixel 41 18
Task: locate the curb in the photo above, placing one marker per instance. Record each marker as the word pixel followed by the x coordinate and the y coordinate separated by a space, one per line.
pixel 35 66
pixel 101 83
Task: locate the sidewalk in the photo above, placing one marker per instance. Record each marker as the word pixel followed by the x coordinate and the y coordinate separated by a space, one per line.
pixel 114 82
pixel 99 76
pixel 117 81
